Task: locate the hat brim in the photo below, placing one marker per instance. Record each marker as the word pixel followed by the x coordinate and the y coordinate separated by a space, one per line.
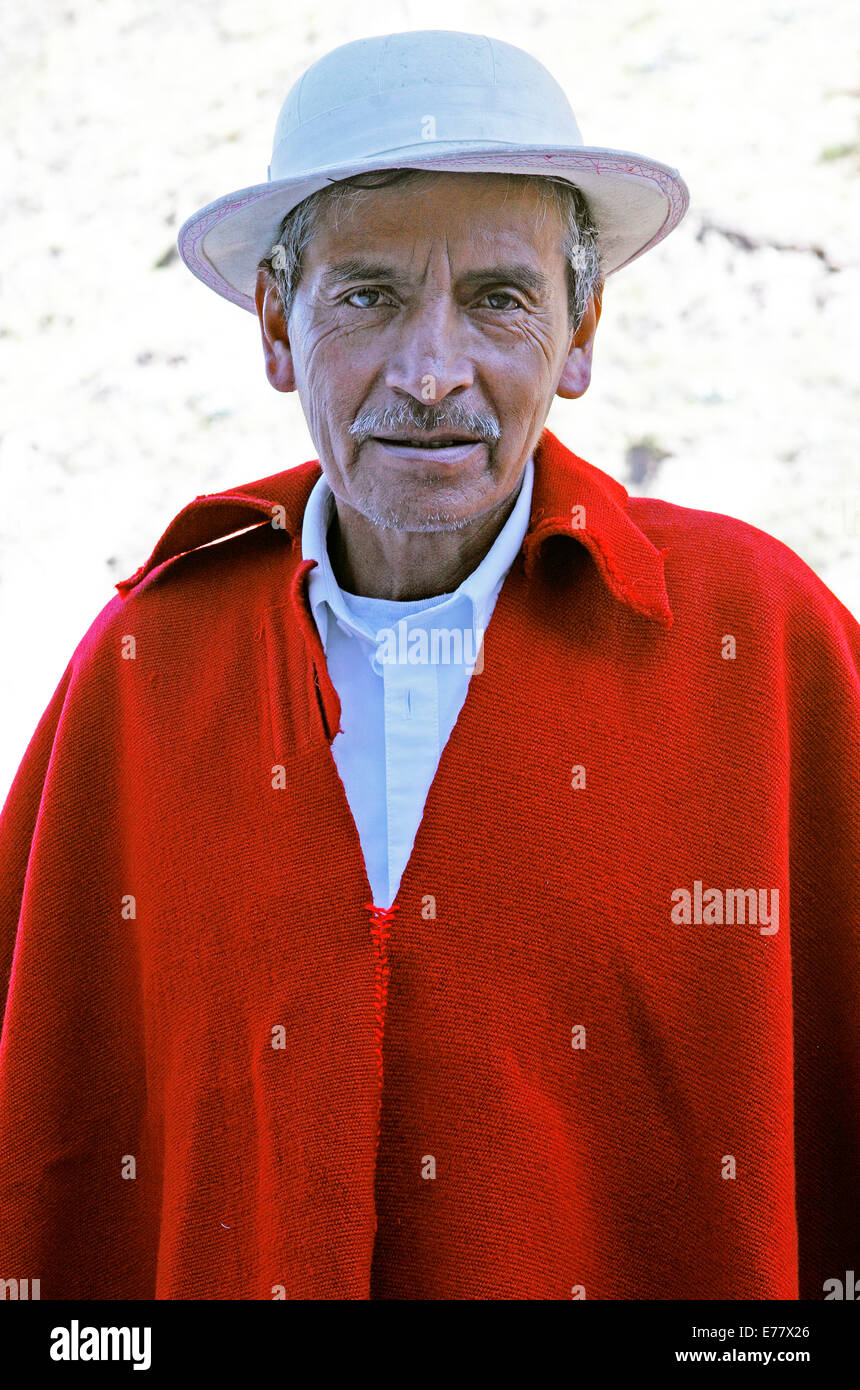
pixel 635 201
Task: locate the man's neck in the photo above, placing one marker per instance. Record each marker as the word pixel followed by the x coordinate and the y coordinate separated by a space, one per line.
pixel 377 562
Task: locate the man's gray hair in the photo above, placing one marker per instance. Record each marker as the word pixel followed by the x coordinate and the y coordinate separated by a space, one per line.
pixel 579 245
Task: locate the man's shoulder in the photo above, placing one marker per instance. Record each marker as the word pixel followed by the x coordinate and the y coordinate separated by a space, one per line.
pixel 689 530
pixel 194 599
pixel 713 556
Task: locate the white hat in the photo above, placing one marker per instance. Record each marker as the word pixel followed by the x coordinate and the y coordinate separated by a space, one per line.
pixel 429 99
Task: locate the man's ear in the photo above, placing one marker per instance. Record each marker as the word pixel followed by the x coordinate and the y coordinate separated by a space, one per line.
pixel 576 376
pixel 276 344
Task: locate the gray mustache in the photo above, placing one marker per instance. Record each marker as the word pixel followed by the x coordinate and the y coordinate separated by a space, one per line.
pixel 404 419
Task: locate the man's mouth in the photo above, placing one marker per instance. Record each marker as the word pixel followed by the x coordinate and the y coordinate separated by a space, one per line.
pixel 448 446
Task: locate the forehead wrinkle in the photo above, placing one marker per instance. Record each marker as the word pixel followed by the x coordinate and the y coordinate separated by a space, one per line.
pixel 487 246
pixel 496 266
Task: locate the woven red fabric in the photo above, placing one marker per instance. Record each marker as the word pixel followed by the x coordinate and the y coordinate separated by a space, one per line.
pixel 534 1078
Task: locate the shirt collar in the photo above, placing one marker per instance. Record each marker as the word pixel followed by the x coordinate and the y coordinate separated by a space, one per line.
pixel 479 587
pixel 570 498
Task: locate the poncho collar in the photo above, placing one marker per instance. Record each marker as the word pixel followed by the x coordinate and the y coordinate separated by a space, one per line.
pixel 571 498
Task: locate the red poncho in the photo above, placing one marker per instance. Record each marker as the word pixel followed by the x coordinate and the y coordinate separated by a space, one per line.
pixel 605 1044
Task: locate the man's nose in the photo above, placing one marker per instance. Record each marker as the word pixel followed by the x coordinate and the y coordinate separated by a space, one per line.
pixel 429 358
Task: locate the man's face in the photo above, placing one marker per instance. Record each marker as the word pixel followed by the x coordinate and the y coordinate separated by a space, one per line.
pixel 439 307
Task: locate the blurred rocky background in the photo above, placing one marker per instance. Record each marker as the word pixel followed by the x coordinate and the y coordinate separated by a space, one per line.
pixel 726 365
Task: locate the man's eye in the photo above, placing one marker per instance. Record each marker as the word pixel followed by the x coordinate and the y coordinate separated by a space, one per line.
pixel 502 294
pixel 365 289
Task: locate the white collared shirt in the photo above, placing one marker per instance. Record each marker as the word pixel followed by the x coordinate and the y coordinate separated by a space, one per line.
pixel 402 671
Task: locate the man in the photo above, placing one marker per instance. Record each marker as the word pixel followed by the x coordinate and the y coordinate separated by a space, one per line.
pixel 445 886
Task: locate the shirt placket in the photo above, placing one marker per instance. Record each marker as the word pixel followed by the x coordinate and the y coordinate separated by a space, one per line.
pixel 411 701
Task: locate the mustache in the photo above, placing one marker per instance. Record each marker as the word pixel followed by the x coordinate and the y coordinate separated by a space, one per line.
pixel 411 416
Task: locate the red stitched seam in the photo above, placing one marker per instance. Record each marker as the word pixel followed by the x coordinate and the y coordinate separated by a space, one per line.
pixel 380 925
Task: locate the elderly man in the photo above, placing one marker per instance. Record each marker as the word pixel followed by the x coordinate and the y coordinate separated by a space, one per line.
pixel 446 885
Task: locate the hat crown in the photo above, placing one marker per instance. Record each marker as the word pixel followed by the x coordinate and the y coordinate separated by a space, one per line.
pixel 372 97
